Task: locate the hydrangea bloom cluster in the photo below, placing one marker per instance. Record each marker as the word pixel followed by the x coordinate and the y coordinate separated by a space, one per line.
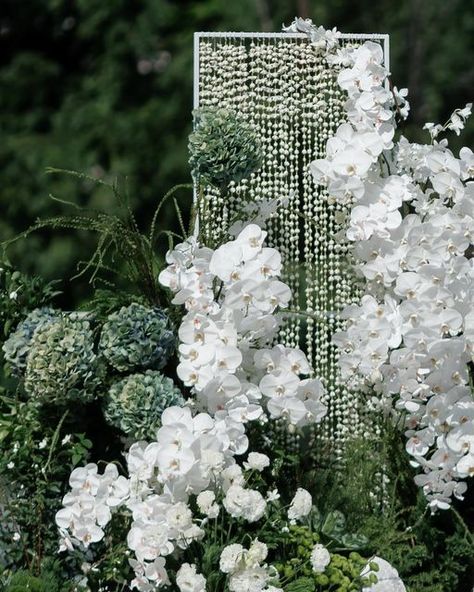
pixel 61 364
pixel 232 295
pixel 411 224
pixel 223 148
pixel 17 346
pixel 137 337
pixel 135 404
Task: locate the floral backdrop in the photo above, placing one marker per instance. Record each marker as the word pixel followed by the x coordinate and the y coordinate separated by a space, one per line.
pixel 158 435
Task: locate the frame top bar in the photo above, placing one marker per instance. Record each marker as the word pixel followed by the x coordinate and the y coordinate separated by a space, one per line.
pixel 238 34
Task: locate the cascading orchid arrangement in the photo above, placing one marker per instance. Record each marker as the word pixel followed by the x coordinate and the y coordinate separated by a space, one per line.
pixel 225 352
pixel 199 506
pixel 410 226
pixel 232 296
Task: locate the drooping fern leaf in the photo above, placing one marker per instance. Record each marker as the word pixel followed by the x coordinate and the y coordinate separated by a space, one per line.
pixel 122 249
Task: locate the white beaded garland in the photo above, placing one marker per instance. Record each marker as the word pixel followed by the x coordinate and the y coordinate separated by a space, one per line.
pixel 287 91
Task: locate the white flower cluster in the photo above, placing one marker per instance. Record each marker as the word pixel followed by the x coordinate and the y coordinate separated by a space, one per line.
pixel 89 505
pixel 188 456
pixel 323 39
pixel 223 352
pixel 411 225
pixel 246 568
pixel 190 465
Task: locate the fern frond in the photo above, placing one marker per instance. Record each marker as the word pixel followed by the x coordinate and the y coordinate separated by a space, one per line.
pixel 78 175
pixel 167 195
pixel 180 217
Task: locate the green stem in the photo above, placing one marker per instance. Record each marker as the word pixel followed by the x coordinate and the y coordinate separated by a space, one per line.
pixel 463 525
pixel 167 195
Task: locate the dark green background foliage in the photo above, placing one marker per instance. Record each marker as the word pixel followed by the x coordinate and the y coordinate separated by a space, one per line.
pixel 106 88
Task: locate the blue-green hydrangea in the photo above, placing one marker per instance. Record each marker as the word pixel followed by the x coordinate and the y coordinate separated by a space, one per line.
pixel 61 365
pixel 17 346
pixel 137 338
pixel 135 404
pixel 223 148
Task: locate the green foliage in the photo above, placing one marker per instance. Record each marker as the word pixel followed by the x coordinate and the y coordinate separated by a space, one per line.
pixel 136 403
pixel 23 581
pixel 431 553
pixel 19 294
pixel 35 462
pixel 333 532
pixel 223 148
pixel 122 250
pixel 105 301
pixel 62 366
pixel 301 585
pixel 137 337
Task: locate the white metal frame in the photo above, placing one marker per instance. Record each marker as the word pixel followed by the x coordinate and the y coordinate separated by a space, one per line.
pixel 381 37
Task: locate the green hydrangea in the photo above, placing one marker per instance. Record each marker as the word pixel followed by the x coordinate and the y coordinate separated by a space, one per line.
pixel 136 403
pixel 137 338
pixel 61 365
pixel 17 346
pixel 223 148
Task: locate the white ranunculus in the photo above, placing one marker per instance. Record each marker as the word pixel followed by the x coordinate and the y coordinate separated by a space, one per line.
pixel 188 580
pixel 231 557
pixel 206 502
pixel 301 504
pixel 257 461
pixel 320 558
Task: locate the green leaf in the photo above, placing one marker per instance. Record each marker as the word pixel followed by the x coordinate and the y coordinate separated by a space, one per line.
pixel 354 542
pixel 334 524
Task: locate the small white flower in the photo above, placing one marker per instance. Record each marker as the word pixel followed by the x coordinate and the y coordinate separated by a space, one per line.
pixel 16 537
pixel 67 438
pixel 273 496
pixel 13 295
pixel 320 558
pixel 43 443
pixel 11 465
